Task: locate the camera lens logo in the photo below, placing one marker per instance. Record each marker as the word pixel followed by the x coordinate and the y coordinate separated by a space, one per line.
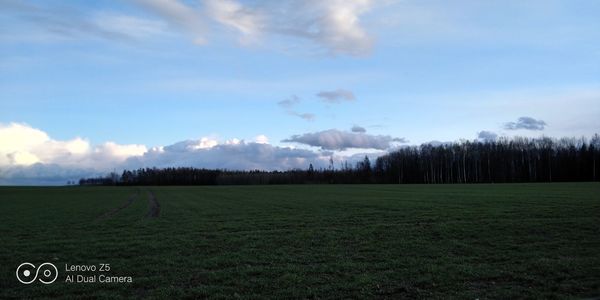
pixel 46 273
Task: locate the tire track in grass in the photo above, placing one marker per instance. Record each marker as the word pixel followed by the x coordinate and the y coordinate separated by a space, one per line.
pixel 154 206
pixel 116 210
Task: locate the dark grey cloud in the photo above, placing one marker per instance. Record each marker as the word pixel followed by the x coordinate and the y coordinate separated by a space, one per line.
pixel 527 123
pixel 487 136
pixel 334 139
pixel 289 102
pixel 358 129
pixel 44 174
pixel 305 116
pixel 336 96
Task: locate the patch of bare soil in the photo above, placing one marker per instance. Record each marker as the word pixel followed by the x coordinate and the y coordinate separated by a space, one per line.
pixel 116 210
pixel 154 206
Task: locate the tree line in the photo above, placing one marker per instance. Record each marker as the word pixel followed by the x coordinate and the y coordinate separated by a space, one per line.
pixel 504 160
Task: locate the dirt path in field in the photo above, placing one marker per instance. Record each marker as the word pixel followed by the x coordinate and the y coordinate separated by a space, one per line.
pixel 154 210
pixel 114 211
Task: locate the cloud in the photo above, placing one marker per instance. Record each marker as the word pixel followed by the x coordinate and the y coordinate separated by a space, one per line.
pixel 22 145
pixel 231 14
pixel 261 139
pixel 358 129
pixel 288 105
pixel 336 96
pixel 527 123
pixel 334 139
pixel 234 15
pixel 487 136
pixel 129 25
pixel 305 116
pixel 120 151
pixel 180 16
pixel 334 25
pixel 30 156
pixel 69 22
pixel 233 156
pixel 339 27
pixel 290 102
pixel 203 143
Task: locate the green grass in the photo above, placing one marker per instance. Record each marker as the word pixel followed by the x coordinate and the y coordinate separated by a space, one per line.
pixel 322 241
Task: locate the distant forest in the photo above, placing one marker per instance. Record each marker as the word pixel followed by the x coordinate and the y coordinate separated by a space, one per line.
pixel 503 160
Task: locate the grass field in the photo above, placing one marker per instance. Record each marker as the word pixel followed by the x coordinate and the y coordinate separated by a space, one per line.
pixel 326 241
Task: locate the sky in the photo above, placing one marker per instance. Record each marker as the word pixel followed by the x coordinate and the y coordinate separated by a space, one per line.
pixel 89 87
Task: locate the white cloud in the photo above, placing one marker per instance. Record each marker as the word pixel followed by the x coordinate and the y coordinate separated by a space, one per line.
pixel 261 139
pixel 339 27
pixel 233 141
pixel 234 15
pixel 334 25
pixel 22 145
pixel 120 151
pixel 22 158
pixel 17 137
pixel 204 143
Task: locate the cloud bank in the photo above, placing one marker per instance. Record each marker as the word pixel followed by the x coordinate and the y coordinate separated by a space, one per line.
pixel 22 145
pixel 30 156
pixel 240 155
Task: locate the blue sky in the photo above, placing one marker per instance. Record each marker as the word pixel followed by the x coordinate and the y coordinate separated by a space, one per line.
pixel 126 77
